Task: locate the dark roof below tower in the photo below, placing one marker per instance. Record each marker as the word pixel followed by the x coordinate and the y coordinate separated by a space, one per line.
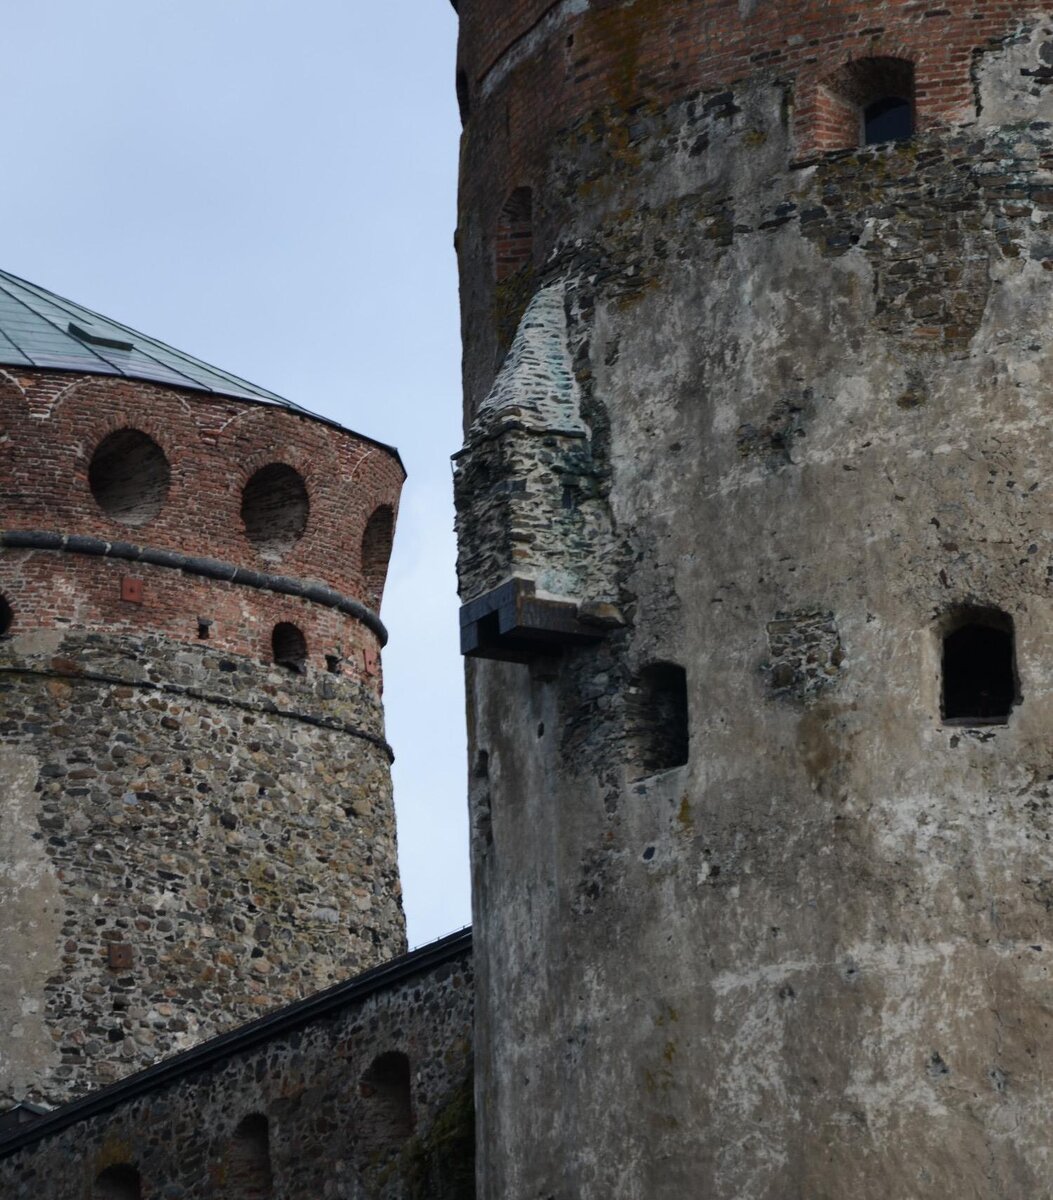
pixel 40 329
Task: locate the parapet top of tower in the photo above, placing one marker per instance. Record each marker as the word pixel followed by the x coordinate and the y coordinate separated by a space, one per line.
pixel 39 329
pixel 169 497
pixel 573 56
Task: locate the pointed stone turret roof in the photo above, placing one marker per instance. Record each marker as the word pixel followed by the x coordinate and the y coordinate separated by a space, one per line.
pixel 536 386
pixel 41 329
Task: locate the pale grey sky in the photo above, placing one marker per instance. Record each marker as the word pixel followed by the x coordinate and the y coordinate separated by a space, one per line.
pixel 270 185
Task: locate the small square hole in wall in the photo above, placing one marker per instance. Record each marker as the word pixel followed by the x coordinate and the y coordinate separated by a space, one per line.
pixel 979 685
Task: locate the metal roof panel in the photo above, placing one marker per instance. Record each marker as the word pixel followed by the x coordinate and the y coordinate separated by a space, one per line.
pixel 35 331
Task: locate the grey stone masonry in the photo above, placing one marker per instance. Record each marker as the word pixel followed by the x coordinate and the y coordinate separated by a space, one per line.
pixel 361 1091
pixel 188 840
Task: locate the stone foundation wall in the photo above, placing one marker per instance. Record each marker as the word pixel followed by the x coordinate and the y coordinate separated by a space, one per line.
pixel 227 827
pixel 305 1086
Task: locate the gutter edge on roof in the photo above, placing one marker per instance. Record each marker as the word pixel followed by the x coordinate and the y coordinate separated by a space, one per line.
pixel 245 1037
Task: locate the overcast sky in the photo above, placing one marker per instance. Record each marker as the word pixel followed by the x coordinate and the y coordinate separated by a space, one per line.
pixel 270 185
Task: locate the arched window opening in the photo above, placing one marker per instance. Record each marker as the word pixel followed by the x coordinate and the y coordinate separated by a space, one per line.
pixel 387 1109
pixel 463 104
pixel 120 1182
pixel 376 551
pixel 7 616
pixel 657 733
pixel 515 234
pixel 867 102
pixel 979 669
pixel 129 477
pixel 890 119
pixel 249 1175
pixel 274 509
pixel 289 647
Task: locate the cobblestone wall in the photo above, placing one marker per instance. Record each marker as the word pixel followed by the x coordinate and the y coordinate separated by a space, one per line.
pixel 305 1087
pixel 198 823
pixel 229 824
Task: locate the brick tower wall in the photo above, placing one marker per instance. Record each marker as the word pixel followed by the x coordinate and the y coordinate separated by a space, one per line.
pixel 756 427
pixel 198 819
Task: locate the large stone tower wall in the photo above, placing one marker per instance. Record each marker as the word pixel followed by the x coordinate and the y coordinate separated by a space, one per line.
pixel 755 417
pixel 198 821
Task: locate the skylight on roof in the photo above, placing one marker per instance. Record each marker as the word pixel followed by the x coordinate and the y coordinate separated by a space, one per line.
pixel 97 335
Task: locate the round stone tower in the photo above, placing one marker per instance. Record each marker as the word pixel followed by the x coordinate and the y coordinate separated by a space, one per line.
pixel 754 511
pixel 197 820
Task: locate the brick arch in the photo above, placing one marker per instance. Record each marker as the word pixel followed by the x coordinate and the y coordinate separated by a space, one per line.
pixel 109 405
pixel 312 461
pixel 377 538
pixel 11 388
pixel 306 465
pixel 298 457
pixel 108 386
pixel 14 409
pixel 824 86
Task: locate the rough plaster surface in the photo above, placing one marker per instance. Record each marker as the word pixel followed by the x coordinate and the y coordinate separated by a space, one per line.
pixel 816 961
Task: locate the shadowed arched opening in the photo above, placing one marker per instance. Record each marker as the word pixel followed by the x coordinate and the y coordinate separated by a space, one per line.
pixel 274 509
pixel 386 1109
pixel 120 1182
pixel 376 552
pixel 248 1173
pixel 865 103
pixel 129 477
pixel 656 720
pixel 515 234
pixel 289 647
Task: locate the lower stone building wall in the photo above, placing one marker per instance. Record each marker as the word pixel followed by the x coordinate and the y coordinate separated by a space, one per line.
pixel 363 1092
pixel 189 839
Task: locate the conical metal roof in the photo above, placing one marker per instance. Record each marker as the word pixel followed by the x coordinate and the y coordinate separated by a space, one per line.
pixel 40 329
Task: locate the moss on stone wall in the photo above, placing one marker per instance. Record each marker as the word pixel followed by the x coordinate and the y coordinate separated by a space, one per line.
pixel 441 1164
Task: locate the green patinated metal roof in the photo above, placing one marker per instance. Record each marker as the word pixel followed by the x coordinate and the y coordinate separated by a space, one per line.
pixel 40 329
